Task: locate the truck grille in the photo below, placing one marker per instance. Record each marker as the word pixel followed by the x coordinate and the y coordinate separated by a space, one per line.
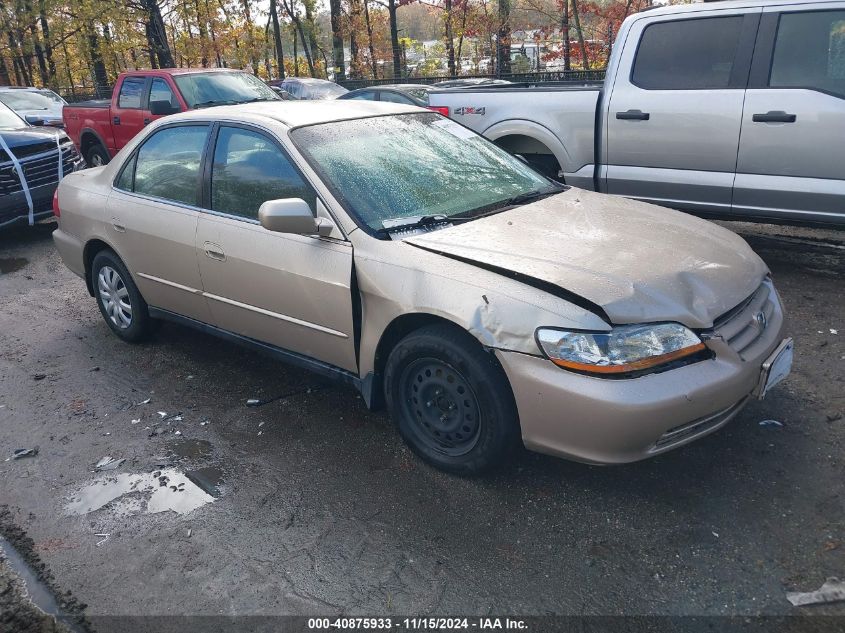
pixel 40 169
pixel 689 430
pixel 745 325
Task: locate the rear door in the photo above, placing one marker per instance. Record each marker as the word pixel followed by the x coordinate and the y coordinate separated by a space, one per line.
pixel 128 110
pixel 152 222
pixel 291 291
pixel 792 155
pixel 672 127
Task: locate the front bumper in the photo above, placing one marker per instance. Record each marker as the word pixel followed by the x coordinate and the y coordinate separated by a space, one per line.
pixel 15 210
pixel 611 421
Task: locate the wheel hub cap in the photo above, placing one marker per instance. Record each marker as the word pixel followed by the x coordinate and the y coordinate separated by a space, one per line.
pixel 114 297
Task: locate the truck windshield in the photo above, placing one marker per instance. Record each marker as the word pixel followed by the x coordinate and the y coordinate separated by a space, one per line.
pixel 227 88
pixel 9 120
pixel 415 167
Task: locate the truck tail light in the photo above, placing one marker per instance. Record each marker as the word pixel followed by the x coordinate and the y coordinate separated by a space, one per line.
pixel 56 211
pixel 444 110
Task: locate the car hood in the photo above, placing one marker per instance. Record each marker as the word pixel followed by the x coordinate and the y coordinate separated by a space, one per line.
pixel 637 262
pixel 27 136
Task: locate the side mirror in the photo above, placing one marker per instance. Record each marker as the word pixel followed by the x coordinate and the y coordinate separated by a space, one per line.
pixel 34 119
pixel 158 108
pixel 292 215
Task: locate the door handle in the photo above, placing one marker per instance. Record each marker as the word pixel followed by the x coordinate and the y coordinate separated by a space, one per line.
pixel 146 121
pixel 115 222
pixel 116 120
pixel 214 251
pixel 633 115
pixel 774 116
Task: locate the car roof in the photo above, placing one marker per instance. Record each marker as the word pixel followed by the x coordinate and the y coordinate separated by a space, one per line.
pixel 184 71
pixel 308 80
pixel 298 113
pixel 704 7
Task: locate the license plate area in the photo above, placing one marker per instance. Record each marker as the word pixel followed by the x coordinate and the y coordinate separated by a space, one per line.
pixel 776 367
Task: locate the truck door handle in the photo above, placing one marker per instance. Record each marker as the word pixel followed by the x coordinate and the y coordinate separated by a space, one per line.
pixel 633 115
pixel 146 121
pixel 774 116
pixel 116 120
pixel 214 251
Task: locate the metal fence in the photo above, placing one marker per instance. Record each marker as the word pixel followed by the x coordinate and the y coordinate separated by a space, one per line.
pixel 532 77
pixel 572 76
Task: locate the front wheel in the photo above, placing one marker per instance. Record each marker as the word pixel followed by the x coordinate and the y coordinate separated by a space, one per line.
pixel 451 401
pixel 121 304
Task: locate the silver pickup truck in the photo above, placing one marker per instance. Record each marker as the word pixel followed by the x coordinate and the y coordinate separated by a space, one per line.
pixel 733 108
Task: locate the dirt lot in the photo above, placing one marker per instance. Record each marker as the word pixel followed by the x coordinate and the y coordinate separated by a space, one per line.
pixel 312 505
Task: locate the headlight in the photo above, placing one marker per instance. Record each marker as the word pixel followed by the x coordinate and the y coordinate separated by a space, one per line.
pixel 624 349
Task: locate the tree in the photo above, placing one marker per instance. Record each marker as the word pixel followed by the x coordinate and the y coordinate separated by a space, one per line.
pixel 503 49
pixel 337 40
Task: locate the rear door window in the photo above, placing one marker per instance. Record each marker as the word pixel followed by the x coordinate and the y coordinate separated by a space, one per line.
pixel 395 97
pixel 695 54
pixel 130 92
pixel 168 164
pixel 810 52
pixel 250 169
pixel 367 95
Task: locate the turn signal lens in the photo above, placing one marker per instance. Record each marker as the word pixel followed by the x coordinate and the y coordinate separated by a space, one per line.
pixel 623 349
pixel 56 211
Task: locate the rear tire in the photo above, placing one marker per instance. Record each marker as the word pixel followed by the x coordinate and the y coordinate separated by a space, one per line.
pixel 121 304
pixel 97 156
pixel 451 401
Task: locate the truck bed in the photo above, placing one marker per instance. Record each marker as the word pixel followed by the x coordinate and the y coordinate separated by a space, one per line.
pixel 552 125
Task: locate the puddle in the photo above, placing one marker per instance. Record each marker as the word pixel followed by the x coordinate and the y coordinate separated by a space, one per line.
pixel 38 593
pixel 162 490
pixel 191 449
pixel 11 264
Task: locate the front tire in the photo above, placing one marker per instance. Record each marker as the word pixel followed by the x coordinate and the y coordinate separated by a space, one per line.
pixel 121 304
pixel 451 401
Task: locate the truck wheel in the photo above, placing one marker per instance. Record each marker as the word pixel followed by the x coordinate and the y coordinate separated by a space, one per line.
pixel 97 156
pixel 451 401
pixel 121 304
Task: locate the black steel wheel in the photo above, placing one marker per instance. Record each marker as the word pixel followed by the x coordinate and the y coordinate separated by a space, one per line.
pixel 443 406
pixel 451 400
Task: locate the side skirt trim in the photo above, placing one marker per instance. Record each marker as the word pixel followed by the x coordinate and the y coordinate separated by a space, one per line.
pixel 287 356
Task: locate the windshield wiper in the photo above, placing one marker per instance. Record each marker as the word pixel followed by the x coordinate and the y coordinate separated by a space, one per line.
pixel 215 102
pixel 393 224
pixel 502 205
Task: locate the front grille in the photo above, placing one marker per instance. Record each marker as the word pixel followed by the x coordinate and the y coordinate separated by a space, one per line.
pixel 39 170
pixel 686 431
pixel 743 326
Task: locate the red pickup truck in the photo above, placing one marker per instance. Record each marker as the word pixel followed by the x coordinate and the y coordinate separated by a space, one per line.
pixel 101 128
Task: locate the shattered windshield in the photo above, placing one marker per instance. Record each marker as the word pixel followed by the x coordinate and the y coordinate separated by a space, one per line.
pixel 422 165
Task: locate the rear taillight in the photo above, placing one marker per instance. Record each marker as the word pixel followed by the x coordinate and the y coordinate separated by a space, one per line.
pixel 444 110
pixel 56 211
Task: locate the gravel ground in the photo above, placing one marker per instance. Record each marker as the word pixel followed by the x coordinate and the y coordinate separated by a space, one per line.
pixel 312 504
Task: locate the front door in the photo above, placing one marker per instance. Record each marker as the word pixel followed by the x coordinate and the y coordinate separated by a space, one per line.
pixel 152 219
pixel 672 124
pixel 291 291
pixel 128 112
pixel 792 156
